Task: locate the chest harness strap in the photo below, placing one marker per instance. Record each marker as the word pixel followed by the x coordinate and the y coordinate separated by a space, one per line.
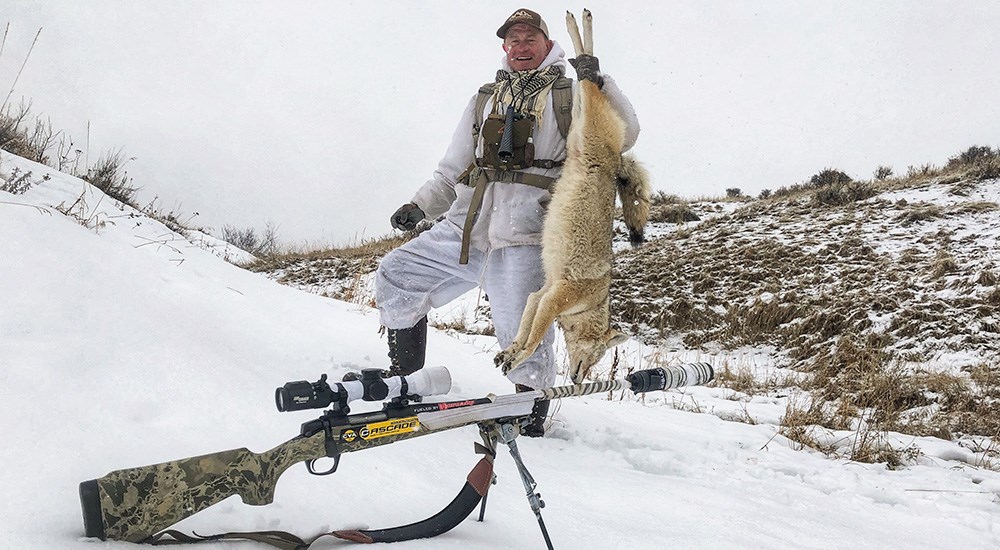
pixel 478 179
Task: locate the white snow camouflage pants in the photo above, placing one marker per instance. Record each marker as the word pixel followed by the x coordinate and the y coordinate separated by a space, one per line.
pixel 424 273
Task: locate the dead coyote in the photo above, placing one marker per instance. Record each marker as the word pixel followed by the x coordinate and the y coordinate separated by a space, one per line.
pixel 576 239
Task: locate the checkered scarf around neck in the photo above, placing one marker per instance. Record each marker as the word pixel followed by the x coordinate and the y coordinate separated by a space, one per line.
pixel 525 90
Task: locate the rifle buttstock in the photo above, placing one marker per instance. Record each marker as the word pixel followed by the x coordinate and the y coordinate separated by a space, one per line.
pixel 136 503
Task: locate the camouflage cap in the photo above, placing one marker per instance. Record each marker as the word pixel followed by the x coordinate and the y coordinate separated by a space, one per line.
pixel 526 16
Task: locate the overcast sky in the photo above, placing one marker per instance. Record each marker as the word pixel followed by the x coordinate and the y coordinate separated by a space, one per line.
pixel 323 117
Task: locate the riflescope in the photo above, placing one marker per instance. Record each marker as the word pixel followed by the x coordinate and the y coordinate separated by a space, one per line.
pixel 302 395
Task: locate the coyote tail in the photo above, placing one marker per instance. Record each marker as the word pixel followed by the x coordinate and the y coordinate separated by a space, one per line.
pixel 634 192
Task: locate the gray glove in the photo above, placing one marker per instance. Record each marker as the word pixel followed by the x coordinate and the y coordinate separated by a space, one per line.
pixel 587 68
pixel 407 217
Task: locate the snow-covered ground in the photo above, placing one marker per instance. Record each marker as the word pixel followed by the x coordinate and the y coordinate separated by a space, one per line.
pixel 124 344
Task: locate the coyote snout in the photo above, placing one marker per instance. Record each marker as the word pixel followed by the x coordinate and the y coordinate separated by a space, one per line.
pixel 576 239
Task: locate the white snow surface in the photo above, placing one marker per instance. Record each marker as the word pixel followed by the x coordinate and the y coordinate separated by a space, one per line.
pixel 124 344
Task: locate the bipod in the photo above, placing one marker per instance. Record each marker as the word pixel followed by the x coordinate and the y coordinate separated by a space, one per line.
pixel 508 434
pixel 488 447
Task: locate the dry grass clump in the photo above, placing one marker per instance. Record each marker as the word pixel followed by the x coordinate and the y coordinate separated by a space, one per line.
pixel 859 372
pixel 109 175
pixel 858 388
pixel 872 387
pixel 481 324
pixel 944 263
pixel 754 321
pixel 24 135
pixel 920 213
pixel 873 446
pixel 662 197
pixel 747 381
pixel 672 213
pixel 975 408
pixel 810 423
pixel 805 419
pixel 974 207
pixel 964 404
pixel 370 250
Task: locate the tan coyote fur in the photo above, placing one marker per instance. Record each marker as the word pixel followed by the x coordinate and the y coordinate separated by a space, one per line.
pixel 576 239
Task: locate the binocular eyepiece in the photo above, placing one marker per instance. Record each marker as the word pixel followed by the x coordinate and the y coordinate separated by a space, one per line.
pixel 507 138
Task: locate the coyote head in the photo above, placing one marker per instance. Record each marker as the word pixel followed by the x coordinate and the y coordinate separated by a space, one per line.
pixel 585 350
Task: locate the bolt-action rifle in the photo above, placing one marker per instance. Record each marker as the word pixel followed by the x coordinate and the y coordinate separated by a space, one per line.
pixel 139 504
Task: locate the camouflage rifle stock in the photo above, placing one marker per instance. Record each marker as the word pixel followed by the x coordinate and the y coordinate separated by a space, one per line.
pixel 137 504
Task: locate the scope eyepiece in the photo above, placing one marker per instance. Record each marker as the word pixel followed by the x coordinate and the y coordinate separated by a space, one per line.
pixel 302 395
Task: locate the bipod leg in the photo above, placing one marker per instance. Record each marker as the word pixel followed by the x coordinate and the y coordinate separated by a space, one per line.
pixel 482 508
pixel 489 434
pixel 508 434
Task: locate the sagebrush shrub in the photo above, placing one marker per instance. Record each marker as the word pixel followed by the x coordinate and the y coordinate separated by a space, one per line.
pixel 248 239
pixel 839 194
pixel 973 155
pixel 829 176
pixel 978 162
pixel 883 172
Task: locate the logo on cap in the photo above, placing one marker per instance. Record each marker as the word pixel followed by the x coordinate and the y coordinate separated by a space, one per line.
pixel 520 15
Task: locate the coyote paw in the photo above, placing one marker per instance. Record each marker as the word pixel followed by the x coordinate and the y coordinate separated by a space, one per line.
pixel 505 360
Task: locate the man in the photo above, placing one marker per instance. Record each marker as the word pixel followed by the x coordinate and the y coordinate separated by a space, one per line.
pixel 493 188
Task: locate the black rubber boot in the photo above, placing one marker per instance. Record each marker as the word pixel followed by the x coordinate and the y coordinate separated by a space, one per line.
pixel 535 428
pixel 407 348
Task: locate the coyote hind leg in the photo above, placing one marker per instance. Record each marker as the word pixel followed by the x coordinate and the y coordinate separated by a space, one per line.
pixel 574 33
pixel 505 359
pixel 549 304
pixel 588 32
pixel 585 45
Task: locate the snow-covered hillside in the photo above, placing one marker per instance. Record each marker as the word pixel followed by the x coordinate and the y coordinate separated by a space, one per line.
pixel 123 344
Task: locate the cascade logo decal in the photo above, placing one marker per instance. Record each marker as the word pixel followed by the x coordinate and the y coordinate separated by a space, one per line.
pixel 385 429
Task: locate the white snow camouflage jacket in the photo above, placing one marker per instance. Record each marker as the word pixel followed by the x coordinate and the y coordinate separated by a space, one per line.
pixel 511 213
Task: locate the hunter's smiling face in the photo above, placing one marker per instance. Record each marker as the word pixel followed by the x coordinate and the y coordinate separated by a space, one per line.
pixel 526 47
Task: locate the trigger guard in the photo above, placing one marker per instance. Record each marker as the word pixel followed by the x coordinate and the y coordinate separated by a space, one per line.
pixel 311 467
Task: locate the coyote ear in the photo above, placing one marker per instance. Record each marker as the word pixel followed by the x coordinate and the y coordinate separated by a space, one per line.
pixel 614 338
